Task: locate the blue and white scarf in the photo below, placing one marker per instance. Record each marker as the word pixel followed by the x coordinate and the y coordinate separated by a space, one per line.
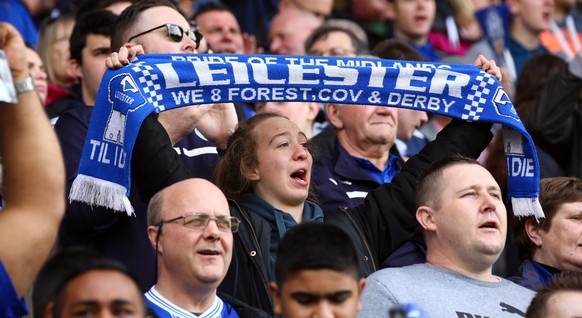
pixel 156 83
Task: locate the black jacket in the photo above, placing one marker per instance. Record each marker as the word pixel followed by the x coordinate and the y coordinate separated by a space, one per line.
pixel 555 121
pixel 243 310
pixel 383 223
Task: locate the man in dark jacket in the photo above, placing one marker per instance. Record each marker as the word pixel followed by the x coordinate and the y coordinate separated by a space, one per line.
pixel 84 225
pixel 95 226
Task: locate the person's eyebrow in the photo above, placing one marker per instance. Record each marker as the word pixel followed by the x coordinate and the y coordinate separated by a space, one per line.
pixel 338 294
pixel 85 303
pixel 285 133
pixel 96 303
pixel 122 302
pixel 334 296
pixel 493 188
pixel 305 295
pixel 302 134
pixel 101 49
pixel 473 187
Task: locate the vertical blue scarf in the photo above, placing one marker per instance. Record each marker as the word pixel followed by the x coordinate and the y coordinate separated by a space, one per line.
pixel 157 83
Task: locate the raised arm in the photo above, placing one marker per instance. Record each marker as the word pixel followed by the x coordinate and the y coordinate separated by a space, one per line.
pixel 215 121
pixel 155 164
pixel 387 217
pixel 34 176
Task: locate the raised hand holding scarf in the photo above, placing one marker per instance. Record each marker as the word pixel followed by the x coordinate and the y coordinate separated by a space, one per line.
pixel 156 83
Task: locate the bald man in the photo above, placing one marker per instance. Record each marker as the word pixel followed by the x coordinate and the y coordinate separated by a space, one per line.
pixel 190 227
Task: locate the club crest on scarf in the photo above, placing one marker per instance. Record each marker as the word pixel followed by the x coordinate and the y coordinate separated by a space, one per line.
pixel 503 105
pixel 124 96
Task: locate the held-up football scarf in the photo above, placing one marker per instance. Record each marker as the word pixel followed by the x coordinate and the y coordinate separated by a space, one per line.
pixel 155 83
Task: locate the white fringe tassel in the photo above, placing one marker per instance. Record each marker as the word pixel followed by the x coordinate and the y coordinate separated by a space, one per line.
pixel 98 192
pixel 527 207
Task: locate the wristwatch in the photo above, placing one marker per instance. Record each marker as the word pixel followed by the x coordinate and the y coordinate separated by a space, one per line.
pixel 25 85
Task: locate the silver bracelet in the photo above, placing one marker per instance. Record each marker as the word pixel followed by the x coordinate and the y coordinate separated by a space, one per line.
pixel 25 85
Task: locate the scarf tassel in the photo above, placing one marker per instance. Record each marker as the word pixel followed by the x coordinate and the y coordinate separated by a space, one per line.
pixel 526 207
pixel 98 192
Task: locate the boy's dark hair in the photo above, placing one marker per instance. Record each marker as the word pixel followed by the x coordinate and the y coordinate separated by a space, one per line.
pixel 96 263
pixel 56 268
pixel 98 22
pixel 315 246
pixel 128 18
pixel 565 281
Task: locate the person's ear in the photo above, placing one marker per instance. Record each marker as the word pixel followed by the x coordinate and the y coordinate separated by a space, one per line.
pixel 389 10
pixel 514 7
pixel 332 112
pixel 276 294
pixel 76 69
pixel 153 235
pixel 250 173
pixel 49 310
pixel 361 286
pixel 532 229
pixel 283 4
pixel 313 111
pixel 425 217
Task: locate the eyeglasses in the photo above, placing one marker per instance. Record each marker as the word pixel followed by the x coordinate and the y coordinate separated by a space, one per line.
pixel 334 51
pixel 175 32
pixel 199 221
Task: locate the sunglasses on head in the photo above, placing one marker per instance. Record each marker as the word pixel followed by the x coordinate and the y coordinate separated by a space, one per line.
pixel 175 32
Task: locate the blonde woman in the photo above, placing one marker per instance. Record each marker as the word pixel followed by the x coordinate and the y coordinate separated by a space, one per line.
pixel 53 48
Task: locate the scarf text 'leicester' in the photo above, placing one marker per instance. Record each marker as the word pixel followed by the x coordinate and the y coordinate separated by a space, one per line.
pixel 156 83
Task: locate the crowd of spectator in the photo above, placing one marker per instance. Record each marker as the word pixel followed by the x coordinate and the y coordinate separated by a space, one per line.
pixel 287 208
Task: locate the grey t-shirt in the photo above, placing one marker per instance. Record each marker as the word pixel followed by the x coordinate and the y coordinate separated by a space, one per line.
pixel 442 294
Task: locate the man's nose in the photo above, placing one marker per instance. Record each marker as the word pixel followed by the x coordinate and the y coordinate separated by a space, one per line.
pixel 323 310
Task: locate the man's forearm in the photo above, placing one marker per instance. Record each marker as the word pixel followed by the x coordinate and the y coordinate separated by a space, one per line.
pixel 33 164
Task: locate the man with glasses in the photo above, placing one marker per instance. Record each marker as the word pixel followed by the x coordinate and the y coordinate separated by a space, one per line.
pixel 190 227
pixel 175 33
pixel 83 224
pixel 159 28
pixel 156 26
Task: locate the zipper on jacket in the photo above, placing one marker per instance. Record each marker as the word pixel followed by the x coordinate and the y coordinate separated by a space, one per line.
pixel 362 237
pixel 257 245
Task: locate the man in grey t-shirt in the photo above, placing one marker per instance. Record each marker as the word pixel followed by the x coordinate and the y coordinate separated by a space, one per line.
pixel 461 211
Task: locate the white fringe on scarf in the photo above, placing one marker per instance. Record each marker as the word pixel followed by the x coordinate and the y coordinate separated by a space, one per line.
pixel 98 192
